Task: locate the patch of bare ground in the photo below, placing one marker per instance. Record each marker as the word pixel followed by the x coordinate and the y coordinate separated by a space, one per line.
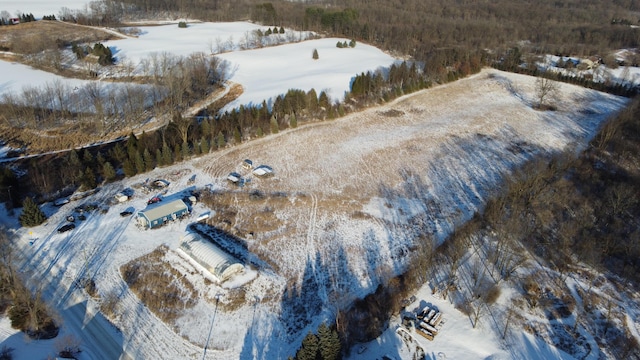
pixel 33 37
pixel 149 273
pixel 67 136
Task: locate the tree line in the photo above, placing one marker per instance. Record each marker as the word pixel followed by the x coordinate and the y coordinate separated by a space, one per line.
pixel 418 28
pixel 185 137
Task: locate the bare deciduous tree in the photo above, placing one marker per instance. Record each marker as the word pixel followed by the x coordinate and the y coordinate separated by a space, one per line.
pixel 546 89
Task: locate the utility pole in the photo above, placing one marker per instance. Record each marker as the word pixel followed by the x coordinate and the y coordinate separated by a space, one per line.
pixel 204 355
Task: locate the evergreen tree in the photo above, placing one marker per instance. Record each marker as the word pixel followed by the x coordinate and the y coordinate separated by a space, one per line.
pixel 132 145
pixel 108 171
pixel 281 30
pixel 324 101
pixel 315 55
pixel 177 153
pixel 31 214
pixel 274 125
pixel 293 122
pixel 87 158
pixel 329 343
pixel 236 136
pixel 138 162
pixel 167 157
pixel 352 43
pixel 331 112
pixel 259 132
pixel 204 146
pixel 159 160
pixel 118 153
pixel 148 160
pixel 129 168
pixel 339 44
pixel 186 151
pixel 221 141
pixel 89 179
pixel 309 348
pixel 312 100
pixel 74 162
pixel 268 32
pixel 205 127
pixel 100 160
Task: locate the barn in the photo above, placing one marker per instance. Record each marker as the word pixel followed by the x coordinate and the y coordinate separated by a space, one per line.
pixel 158 215
pixel 219 263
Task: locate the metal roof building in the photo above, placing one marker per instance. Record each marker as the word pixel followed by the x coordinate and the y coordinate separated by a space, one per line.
pixel 157 216
pixel 219 263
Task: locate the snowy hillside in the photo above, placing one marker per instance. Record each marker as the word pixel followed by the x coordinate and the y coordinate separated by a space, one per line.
pixel 344 205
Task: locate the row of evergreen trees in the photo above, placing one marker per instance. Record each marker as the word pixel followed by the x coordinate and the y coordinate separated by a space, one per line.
pixel 186 137
pixel 322 346
pixel 23 18
pixel 104 54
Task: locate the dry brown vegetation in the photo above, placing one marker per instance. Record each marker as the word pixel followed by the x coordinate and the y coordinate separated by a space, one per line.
pixel 159 286
pixel 36 36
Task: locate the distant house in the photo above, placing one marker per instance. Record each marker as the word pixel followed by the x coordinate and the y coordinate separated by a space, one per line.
pixel 14 21
pixel 159 215
pixel 215 260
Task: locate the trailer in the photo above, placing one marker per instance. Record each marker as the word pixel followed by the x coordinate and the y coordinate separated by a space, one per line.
pixel 436 319
pixel 427 335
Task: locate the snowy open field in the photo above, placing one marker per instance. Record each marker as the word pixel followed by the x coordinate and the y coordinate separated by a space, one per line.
pixel 264 73
pixel 40 8
pixel 353 189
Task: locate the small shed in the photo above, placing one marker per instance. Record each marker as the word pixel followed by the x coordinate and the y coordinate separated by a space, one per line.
pixel 219 263
pixel 247 164
pixel 234 177
pixel 263 170
pixel 158 215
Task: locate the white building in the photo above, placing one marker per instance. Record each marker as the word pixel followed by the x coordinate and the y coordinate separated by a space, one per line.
pixel 215 260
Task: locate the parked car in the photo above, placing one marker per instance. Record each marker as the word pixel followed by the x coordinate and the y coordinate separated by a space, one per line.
pixel 126 213
pixel 154 200
pixel 66 228
pixel 61 202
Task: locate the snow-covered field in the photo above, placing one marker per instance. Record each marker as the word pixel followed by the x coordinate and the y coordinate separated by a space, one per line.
pixel 353 189
pixel 264 72
pixel 40 8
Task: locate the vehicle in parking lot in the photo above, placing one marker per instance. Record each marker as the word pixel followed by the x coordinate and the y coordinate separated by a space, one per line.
pixel 126 213
pixel 154 200
pixel 66 228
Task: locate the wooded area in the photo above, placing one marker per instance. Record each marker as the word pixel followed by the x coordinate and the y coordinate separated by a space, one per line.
pixel 422 27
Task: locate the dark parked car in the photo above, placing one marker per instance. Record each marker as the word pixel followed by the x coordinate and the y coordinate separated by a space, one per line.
pixel 126 213
pixel 153 200
pixel 66 228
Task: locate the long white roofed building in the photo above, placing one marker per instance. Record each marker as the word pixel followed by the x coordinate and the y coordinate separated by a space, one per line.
pixel 215 260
